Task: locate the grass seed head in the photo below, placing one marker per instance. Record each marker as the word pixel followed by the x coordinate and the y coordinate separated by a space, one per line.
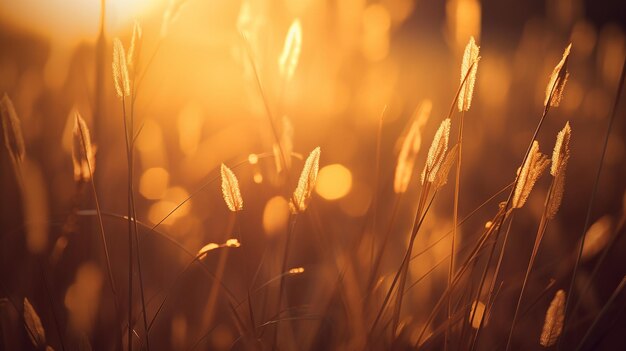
pixel 306 183
pixel 560 157
pixel 135 44
pixel 230 189
pixel 83 153
pixel 411 145
pixel 170 15
pixel 120 70
pixel 558 78
pixel 533 168
pixel 288 60
pixel 437 152
pixel 553 324
pixel 442 176
pixel 470 59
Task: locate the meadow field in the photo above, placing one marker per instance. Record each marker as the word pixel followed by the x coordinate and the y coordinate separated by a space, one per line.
pixel 312 175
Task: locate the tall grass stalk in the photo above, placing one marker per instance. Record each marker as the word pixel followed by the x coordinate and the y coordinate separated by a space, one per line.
pixel 374 203
pixel 468 80
pixel 491 296
pixel 101 227
pixel 219 273
pixel 130 229
pixel 379 255
pixel 455 214
pixel 617 234
pixel 404 268
pixel 474 254
pixel 592 198
pixel 549 98
pixel 541 229
pixel 283 268
pixel 266 104
pixel 381 310
pixel 51 300
pixel 600 315
pixel 131 144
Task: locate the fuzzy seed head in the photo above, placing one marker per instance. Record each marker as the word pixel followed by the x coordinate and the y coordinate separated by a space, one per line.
pixel 437 152
pixel 410 147
pixel 230 189
pixel 553 324
pixel 470 59
pixel 120 70
pixel 560 157
pixel 11 125
pixel 442 176
pixel 306 183
pixel 558 78
pixel 135 44
pixel 406 159
pixel 170 15
pixel 561 152
pixel 534 166
pixel 288 60
pixel 83 153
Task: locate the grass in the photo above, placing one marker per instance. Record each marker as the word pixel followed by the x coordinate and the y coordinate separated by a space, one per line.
pixel 326 281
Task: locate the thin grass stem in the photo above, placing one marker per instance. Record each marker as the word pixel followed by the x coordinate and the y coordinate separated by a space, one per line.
pixel 592 198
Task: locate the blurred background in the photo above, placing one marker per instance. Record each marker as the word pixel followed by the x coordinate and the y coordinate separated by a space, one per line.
pixel 198 105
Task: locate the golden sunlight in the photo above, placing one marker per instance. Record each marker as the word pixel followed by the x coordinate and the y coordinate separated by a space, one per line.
pixel 334 182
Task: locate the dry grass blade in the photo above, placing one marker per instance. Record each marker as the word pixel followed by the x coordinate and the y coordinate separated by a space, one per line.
pixel 470 62
pixel 13 138
pixel 409 149
pixel 553 324
pixel 36 333
pixel 560 156
pixel 437 152
pixel 83 156
pixel 120 70
pixel 230 190
pixel 558 78
pixel 288 60
pixel 306 183
pixel 442 176
pixel 535 164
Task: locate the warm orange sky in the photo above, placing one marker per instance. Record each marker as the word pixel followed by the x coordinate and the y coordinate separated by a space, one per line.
pixel 72 20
